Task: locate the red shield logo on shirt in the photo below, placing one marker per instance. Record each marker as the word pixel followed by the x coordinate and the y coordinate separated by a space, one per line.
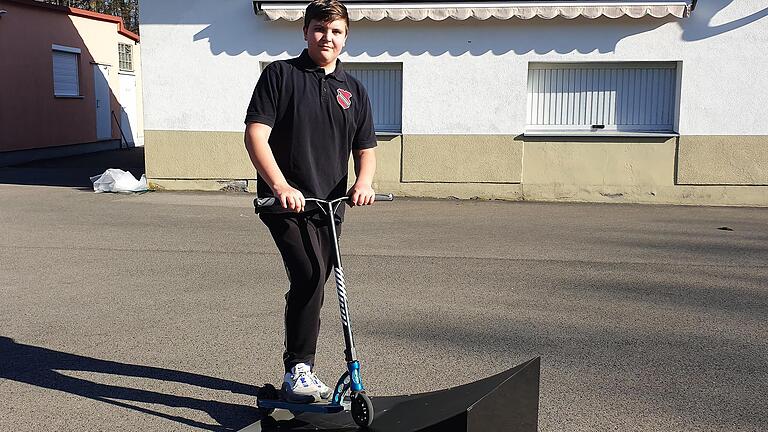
pixel 344 98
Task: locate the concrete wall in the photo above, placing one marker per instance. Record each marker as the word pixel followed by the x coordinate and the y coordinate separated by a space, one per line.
pixel 464 101
pixel 31 117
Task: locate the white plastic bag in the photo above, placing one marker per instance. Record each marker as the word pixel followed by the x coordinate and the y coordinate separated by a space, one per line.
pixel 117 180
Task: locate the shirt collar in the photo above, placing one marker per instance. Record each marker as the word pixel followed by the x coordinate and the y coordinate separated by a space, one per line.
pixel 306 63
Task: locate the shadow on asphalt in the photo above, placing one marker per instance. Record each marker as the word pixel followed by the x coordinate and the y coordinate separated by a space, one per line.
pixel 41 367
pixel 74 171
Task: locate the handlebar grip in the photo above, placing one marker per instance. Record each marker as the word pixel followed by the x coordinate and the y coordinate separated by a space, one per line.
pixel 384 197
pixel 264 202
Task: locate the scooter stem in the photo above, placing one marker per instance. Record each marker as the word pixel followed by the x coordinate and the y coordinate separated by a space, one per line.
pixel 341 291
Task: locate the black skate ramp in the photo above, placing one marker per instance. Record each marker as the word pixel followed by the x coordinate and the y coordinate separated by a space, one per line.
pixel 508 401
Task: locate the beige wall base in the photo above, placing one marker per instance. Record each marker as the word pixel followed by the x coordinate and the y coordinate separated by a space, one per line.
pixel 502 167
pixel 749 196
pixel 462 158
pixel 196 155
pixel 723 160
pixel 604 163
pixel 206 185
pixel 431 190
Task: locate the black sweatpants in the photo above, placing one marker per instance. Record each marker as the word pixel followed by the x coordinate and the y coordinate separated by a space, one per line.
pixel 305 243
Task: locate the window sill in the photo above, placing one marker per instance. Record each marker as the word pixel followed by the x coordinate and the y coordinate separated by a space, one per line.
pixel 584 133
pixel 68 97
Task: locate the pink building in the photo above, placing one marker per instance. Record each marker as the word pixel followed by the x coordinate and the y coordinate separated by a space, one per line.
pixel 71 82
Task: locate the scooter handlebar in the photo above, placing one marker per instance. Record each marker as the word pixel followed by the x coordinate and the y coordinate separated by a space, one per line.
pixel 272 201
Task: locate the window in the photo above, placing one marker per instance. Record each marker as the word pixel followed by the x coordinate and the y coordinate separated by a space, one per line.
pixel 66 76
pixel 125 54
pixel 611 98
pixel 384 83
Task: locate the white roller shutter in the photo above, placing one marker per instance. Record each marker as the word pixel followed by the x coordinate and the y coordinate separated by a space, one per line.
pixel 612 97
pixel 384 83
pixel 66 81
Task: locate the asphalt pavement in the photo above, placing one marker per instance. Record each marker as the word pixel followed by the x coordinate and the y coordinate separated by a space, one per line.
pixel 163 311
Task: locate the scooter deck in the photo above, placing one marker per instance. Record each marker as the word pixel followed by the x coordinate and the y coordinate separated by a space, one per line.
pixel 317 407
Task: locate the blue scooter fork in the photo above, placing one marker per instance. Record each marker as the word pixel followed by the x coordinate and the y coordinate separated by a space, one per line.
pixel 349 380
pixel 354 372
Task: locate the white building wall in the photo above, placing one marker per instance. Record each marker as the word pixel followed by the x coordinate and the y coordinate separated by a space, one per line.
pixel 202 59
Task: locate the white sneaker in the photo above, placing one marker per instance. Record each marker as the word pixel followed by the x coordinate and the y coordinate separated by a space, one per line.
pixel 301 385
pixel 324 390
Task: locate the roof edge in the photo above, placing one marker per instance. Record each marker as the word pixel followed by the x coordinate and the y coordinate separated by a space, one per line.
pixel 83 14
pixel 104 17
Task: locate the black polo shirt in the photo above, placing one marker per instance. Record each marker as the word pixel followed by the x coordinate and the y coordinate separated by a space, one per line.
pixel 316 120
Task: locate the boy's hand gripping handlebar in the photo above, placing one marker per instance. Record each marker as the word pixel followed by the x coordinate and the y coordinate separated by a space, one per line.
pixel 261 203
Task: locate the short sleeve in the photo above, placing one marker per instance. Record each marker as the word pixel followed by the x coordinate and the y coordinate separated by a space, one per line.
pixel 365 136
pixel 265 98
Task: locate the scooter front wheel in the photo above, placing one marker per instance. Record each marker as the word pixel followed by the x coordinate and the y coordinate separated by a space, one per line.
pixel 362 409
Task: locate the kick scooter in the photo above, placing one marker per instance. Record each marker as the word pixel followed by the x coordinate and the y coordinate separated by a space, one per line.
pixel 361 407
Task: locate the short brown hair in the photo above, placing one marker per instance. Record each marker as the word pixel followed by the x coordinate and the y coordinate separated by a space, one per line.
pixel 325 11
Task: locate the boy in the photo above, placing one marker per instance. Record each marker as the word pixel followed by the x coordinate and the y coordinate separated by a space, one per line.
pixel 305 118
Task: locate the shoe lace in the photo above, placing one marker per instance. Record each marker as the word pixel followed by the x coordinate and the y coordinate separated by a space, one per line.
pixel 303 376
pixel 317 381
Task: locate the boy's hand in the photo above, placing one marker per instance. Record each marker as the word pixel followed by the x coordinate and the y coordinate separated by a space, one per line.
pixel 289 197
pixel 361 194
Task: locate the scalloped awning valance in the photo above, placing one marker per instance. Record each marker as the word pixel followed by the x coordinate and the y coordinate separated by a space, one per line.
pixel 417 11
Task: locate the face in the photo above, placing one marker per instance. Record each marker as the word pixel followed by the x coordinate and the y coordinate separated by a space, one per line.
pixel 325 40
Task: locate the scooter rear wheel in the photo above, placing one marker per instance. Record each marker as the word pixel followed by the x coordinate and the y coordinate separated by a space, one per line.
pixel 362 409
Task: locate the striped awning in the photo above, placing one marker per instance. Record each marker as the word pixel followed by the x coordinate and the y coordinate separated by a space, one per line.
pixel 417 11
